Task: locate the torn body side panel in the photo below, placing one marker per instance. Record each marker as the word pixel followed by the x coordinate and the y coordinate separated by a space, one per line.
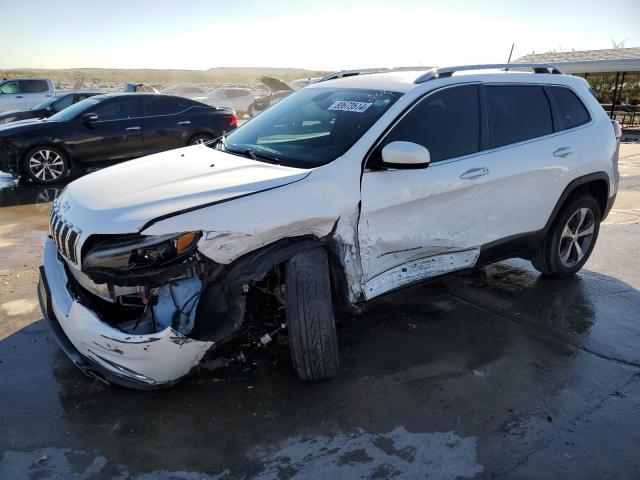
pixel 323 205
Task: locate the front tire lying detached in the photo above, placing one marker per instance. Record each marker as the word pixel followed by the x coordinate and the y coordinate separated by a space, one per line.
pixel 313 340
pixel 570 240
pixel 45 165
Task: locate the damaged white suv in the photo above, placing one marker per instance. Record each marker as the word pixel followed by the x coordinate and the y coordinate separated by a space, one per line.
pixel 348 189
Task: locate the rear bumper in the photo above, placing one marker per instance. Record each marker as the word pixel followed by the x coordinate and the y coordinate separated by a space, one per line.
pixel 104 352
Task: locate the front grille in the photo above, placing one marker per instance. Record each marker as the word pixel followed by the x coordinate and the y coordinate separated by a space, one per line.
pixel 64 234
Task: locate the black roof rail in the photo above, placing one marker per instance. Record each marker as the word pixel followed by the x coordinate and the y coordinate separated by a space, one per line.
pixel 443 72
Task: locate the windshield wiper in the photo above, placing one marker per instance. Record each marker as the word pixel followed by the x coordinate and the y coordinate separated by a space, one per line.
pixel 247 152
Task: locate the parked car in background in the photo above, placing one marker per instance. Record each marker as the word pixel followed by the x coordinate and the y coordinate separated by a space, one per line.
pixel 186 91
pixel 277 90
pixel 24 93
pixel 238 99
pixel 49 107
pixel 133 87
pixel 106 129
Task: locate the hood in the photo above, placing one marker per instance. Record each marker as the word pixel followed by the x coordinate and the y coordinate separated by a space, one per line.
pixel 275 85
pixel 123 198
pixel 13 115
pixel 29 124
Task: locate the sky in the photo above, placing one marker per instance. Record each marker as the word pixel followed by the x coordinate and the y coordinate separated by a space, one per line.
pixel 323 35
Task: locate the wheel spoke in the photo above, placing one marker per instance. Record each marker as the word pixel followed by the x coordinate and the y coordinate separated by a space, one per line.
pixel 579 252
pixel 565 256
pixel 583 215
pixel 40 173
pixel 47 153
pixel 566 233
pixel 587 232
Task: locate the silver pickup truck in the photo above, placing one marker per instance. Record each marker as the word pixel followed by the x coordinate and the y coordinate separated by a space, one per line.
pixel 24 93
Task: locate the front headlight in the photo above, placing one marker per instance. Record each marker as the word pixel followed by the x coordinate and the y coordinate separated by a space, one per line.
pixel 140 251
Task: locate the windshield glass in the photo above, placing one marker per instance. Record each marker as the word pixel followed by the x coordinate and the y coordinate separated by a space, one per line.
pixel 75 109
pixel 311 127
pixel 46 103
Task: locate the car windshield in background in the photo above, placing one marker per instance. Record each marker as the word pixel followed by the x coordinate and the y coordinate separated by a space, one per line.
pixel 46 103
pixel 311 127
pixel 70 112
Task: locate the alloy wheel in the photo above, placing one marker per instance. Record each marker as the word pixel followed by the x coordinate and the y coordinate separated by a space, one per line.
pixel 46 165
pixel 577 237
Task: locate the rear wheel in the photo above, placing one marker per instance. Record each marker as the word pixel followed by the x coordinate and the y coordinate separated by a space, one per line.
pixel 311 326
pixel 199 139
pixel 570 241
pixel 45 165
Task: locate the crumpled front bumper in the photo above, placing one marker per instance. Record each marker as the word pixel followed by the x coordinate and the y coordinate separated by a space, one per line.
pixel 101 351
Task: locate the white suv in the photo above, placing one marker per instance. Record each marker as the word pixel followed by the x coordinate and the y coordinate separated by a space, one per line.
pixel 348 189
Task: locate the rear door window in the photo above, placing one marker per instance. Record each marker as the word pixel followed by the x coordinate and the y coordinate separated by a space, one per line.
pixel 34 86
pixel 572 111
pixel 517 113
pixel 447 123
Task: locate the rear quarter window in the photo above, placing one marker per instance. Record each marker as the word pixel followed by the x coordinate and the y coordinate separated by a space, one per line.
pixel 571 110
pixel 34 86
pixel 517 113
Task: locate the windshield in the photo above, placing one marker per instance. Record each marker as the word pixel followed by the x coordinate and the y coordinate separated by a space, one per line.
pixel 75 109
pixel 46 103
pixel 311 127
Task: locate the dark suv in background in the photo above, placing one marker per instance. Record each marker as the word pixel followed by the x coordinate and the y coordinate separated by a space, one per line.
pixel 107 129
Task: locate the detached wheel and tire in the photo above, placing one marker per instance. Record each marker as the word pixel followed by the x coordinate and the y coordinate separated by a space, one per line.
pixel 199 139
pixel 313 340
pixel 45 165
pixel 570 241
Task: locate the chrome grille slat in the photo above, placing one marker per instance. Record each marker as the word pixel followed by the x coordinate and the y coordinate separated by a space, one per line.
pixel 64 235
pixel 63 240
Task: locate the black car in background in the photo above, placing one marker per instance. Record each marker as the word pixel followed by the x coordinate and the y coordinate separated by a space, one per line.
pixel 49 107
pixel 107 129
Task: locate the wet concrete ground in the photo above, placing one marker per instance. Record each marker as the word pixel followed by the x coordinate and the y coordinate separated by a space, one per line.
pixel 494 374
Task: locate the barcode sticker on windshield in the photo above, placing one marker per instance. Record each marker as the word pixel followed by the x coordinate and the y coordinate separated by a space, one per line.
pixel 347 106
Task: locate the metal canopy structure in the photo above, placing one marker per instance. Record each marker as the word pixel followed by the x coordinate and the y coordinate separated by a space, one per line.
pixel 618 61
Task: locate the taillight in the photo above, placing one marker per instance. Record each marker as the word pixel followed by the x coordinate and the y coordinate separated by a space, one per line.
pixel 233 120
pixel 616 129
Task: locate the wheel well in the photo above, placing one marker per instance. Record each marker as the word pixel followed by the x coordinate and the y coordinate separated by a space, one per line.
pixel 598 189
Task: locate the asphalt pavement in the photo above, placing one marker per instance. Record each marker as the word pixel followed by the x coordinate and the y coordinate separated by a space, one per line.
pixel 498 373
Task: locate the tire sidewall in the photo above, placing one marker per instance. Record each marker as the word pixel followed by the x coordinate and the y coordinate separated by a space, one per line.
pixel 27 171
pixel 556 233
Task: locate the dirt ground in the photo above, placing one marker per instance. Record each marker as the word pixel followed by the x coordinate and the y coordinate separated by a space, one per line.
pixel 498 373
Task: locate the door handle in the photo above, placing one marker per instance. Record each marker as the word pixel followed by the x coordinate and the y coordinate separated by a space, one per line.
pixel 185 122
pixel 474 173
pixel 132 128
pixel 563 152
pixel 19 96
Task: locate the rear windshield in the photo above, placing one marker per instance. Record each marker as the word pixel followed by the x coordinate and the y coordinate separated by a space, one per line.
pixel 312 127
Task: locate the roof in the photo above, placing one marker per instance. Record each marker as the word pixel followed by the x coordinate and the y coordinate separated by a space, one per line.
pixel 398 81
pixel 609 60
pixel 403 81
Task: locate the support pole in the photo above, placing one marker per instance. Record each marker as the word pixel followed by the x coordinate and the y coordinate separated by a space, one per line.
pixel 615 93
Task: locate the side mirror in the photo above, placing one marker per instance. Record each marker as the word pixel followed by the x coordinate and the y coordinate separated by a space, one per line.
pixel 89 117
pixel 405 155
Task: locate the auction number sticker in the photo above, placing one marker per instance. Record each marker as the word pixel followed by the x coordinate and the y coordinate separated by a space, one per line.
pixel 347 106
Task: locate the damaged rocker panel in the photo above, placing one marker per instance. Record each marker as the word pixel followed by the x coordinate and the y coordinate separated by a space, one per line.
pixel 417 270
